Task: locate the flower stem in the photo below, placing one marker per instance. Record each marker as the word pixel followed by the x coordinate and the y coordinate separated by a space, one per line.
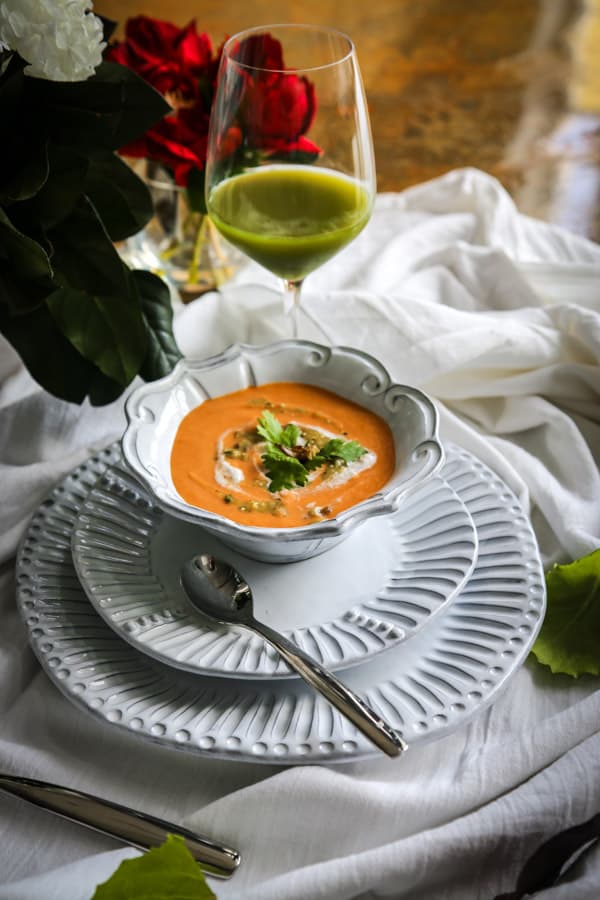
pixel 197 251
pixel 224 270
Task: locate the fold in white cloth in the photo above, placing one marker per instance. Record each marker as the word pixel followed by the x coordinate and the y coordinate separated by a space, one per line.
pixel 496 316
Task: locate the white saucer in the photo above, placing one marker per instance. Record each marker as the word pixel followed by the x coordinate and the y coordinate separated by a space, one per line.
pixel 366 595
pixel 425 687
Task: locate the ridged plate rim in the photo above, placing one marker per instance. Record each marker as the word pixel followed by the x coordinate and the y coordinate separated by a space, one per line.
pixel 118 560
pixel 428 686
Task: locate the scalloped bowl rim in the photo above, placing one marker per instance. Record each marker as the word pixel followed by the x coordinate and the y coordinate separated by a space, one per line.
pixel 380 503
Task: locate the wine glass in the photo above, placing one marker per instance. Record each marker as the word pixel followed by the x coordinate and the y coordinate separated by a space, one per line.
pixel 290 174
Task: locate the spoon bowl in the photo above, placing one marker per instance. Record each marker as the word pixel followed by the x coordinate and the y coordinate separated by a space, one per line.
pixel 218 591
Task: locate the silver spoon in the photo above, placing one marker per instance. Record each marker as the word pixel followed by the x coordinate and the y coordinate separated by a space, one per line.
pixel 219 592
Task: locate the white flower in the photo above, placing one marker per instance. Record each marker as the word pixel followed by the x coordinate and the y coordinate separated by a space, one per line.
pixel 60 39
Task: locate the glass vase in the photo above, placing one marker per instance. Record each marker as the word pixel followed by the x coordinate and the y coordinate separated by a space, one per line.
pixel 178 243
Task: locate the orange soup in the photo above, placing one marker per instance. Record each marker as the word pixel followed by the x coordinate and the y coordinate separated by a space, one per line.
pixel 280 455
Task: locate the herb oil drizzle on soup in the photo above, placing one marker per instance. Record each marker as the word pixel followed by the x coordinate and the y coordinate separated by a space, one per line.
pixel 280 455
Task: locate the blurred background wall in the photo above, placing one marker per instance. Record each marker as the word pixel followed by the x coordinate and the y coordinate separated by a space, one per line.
pixel 508 86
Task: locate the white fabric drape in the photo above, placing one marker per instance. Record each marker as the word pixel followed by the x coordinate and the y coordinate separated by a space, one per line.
pixel 496 316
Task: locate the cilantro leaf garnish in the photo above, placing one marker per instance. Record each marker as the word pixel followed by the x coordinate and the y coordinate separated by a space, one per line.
pixel 283 471
pixel 290 435
pixel 270 428
pixel 285 459
pixel 336 448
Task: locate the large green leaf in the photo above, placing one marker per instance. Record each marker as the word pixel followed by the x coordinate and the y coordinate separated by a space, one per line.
pixel 85 256
pixel 63 188
pixel 18 294
pixel 96 306
pixel 24 178
pixel 163 351
pixel 168 872
pixel 23 163
pixel 103 329
pixel 103 390
pixel 23 252
pixel 52 361
pixel 110 109
pixel 22 261
pixel 569 640
pixel 12 92
pixel 122 200
pixel 11 64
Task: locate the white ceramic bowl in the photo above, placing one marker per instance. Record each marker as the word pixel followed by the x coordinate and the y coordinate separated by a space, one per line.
pixel 155 410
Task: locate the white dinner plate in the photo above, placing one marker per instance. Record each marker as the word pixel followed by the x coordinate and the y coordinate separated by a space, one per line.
pixel 425 687
pixel 361 597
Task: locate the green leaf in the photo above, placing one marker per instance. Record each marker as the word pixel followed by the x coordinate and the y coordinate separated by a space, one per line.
pixel 102 390
pixel 110 109
pixel 337 448
pixel 23 252
pixel 53 361
pixel 12 92
pixel 569 640
pixel 85 256
pixel 12 67
pixel 23 162
pixel 104 330
pixel 18 294
pixel 269 427
pixel 97 306
pixel 289 470
pixel 283 471
pixel 163 352
pixel 62 190
pixel 312 463
pixel 168 872
pixel 23 180
pixel 23 262
pixel 121 199
pixel 290 435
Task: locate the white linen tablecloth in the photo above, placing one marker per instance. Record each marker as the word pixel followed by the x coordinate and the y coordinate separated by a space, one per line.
pixel 496 316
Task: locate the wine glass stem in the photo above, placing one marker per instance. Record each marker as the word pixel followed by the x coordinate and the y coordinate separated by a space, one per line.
pixel 292 303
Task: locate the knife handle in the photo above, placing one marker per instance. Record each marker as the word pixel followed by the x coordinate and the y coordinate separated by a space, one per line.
pixel 133 827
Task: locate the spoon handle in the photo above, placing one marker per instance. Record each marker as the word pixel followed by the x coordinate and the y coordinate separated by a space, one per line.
pixel 339 695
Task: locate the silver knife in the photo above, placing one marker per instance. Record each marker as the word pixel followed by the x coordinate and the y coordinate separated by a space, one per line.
pixel 135 828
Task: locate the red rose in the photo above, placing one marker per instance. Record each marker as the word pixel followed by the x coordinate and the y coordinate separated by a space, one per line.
pixel 229 142
pixel 278 110
pixel 179 63
pixel 171 59
pixel 307 150
pixel 261 51
pixel 178 141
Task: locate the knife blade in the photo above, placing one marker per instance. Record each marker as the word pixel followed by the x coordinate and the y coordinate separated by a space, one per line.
pixel 131 826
